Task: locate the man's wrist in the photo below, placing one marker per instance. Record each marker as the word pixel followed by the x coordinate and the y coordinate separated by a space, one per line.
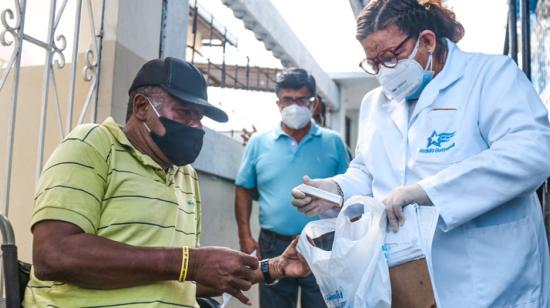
pixel 276 268
pixel 192 264
pixel 244 232
pixel 274 271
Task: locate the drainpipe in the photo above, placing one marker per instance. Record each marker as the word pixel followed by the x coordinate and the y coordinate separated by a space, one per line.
pixel 525 38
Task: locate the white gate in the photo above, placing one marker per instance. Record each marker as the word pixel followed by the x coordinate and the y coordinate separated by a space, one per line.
pixel 45 88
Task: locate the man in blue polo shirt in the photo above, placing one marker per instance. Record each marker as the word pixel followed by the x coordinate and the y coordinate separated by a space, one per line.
pixel 273 163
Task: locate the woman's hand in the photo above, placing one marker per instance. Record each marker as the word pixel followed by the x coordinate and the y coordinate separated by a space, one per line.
pixel 400 197
pixel 290 263
pixel 312 206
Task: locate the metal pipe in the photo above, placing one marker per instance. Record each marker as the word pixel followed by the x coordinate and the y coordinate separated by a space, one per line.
pixel 506 50
pixel 10 265
pixel 224 67
pixel 99 50
pixel 8 236
pixel 236 76
pixel 45 92
pixel 72 84
pixel 525 38
pixel 20 8
pixel 247 72
pixel 58 107
pixel 20 11
pixel 546 208
pixel 87 101
pixel 194 30
pixel 257 77
pixel 512 24
pixel 163 23
pixel 59 14
pixel 35 41
pixel 211 37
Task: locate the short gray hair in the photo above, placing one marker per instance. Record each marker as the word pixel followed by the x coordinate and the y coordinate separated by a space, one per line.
pixel 149 91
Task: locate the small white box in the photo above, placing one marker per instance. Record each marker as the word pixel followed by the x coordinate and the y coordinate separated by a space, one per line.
pixel 319 193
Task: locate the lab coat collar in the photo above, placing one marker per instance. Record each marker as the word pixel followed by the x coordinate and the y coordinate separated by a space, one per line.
pixel 399 114
pixel 451 72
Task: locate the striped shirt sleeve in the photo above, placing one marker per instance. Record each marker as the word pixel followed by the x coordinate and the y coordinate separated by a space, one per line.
pixel 72 186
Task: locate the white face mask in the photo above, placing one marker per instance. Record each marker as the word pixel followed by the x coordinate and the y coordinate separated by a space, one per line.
pixel 406 77
pixel 295 116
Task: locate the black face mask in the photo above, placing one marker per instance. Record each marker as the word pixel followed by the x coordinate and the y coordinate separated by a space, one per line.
pixel 181 144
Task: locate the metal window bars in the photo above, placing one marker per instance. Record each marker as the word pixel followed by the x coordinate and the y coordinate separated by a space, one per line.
pixel 13 35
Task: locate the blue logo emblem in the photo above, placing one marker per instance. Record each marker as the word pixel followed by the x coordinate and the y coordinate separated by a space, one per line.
pixel 336 298
pixel 437 143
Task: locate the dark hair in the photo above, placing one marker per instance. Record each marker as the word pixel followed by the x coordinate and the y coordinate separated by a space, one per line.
pixel 147 91
pixel 411 17
pixel 295 78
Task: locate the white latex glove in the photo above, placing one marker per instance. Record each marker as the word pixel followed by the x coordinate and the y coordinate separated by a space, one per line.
pixel 312 206
pixel 400 197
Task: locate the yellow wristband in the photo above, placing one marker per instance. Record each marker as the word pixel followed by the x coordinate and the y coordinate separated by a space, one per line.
pixel 184 264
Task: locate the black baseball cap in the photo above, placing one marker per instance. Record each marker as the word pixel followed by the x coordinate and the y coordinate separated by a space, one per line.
pixel 181 80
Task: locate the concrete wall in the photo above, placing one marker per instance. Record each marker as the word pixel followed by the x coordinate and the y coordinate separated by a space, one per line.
pixel 132 37
pixel 217 165
pixel 218 219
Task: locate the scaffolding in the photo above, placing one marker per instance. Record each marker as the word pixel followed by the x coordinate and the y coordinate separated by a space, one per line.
pixel 206 31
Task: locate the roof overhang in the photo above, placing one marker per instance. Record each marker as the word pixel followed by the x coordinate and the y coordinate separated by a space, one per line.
pixel 269 27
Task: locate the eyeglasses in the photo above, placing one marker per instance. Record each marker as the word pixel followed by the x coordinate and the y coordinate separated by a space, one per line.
pixel 183 112
pixel 190 113
pixel 301 101
pixel 387 58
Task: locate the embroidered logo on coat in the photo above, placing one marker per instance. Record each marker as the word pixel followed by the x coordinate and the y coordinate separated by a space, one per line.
pixel 437 143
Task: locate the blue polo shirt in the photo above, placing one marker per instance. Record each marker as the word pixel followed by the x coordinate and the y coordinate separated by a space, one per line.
pixel 274 163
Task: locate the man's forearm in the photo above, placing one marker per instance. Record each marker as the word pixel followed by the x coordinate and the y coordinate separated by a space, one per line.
pixel 62 252
pixel 243 208
pixel 93 262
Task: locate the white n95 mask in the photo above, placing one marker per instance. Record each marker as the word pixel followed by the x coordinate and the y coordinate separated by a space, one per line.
pixel 407 79
pixel 295 116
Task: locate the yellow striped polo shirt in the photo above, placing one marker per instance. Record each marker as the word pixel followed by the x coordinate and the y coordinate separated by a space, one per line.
pixel 97 180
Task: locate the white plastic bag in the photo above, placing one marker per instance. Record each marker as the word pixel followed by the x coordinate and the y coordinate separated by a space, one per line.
pixel 353 272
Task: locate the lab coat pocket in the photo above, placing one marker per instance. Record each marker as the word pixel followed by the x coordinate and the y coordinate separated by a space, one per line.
pixel 505 267
pixel 437 137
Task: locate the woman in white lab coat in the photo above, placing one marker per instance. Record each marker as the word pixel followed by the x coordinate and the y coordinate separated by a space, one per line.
pixel 464 132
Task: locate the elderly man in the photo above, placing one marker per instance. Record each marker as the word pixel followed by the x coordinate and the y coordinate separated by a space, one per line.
pixel 116 220
pixel 276 161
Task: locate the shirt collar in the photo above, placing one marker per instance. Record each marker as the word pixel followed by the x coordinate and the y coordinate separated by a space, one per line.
pixel 117 132
pixel 314 130
pixel 453 68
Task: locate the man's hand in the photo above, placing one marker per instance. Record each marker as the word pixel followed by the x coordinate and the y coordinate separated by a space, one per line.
pixel 312 206
pixel 248 245
pixel 289 264
pixel 400 197
pixel 245 134
pixel 223 269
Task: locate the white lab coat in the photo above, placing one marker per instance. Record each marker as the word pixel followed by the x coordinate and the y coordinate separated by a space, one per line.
pixel 478 142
